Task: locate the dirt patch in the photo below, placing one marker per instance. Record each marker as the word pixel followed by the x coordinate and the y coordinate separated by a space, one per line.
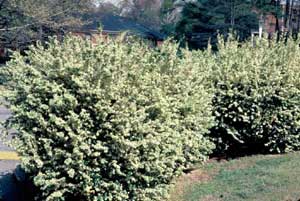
pixel 209 198
pixel 186 180
pixel 197 176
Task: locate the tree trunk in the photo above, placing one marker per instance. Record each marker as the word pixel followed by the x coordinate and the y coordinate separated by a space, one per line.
pixel 298 21
pixel 232 8
pixel 290 22
pixel 286 14
pixel 277 28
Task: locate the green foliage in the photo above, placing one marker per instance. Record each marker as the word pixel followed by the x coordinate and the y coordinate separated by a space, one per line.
pixel 257 96
pixel 107 121
pixel 267 6
pixel 202 19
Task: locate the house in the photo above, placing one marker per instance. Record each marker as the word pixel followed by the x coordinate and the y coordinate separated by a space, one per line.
pixel 114 25
pixel 287 20
pixel 111 25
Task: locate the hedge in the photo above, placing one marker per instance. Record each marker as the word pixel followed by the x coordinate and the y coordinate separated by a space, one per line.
pixel 119 120
pixel 257 96
pixel 107 121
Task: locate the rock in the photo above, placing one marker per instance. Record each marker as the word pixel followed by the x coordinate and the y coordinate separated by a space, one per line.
pixel 20 174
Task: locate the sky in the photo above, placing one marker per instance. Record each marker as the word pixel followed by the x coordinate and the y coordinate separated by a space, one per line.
pixel 116 2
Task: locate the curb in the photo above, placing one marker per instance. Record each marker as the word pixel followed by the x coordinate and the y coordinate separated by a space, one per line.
pixel 9 155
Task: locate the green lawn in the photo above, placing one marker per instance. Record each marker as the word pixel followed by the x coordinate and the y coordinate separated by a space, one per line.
pixel 263 178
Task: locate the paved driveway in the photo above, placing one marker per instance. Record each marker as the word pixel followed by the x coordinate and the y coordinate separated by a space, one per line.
pixel 4 114
pixel 10 190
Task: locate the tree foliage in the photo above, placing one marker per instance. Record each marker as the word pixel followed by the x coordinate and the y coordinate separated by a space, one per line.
pixel 202 19
pixel 142 11
pixel 24 21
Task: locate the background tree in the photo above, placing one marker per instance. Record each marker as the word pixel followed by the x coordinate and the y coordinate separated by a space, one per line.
pixel 24 21
pixel 286 13
pixel 170 15
pixel 202 19
pixel 144 11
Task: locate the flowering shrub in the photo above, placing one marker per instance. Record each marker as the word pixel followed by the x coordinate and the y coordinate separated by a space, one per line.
pixel 257 96
pixel 107 121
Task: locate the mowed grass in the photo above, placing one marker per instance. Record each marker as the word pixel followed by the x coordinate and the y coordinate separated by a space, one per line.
pixel 263 178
